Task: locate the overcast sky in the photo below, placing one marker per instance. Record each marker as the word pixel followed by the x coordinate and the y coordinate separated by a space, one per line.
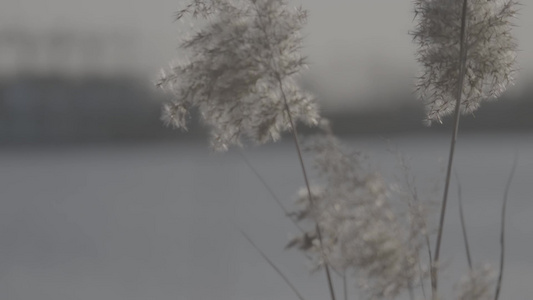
pixel 355 47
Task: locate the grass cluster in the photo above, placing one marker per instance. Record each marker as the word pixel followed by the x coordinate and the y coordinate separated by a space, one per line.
pixel 241 75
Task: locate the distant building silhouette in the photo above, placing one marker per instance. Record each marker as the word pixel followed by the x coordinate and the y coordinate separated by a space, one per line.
pixel 67 86
pixel 73 86
pixel 62 109
pixel 65 52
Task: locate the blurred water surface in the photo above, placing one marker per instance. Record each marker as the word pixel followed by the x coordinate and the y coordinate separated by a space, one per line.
pixel 160 221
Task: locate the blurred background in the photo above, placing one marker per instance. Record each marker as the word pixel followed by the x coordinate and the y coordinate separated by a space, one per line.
pixel 98 200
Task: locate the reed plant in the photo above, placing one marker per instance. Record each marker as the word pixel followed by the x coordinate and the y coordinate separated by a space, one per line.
pixel 241 75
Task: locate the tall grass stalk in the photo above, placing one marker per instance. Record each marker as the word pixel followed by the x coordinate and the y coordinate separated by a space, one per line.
pixel 464 63
pixel 502 229
pixel 457 114
pixel 241 75
pixel 309 194
pixel 463 223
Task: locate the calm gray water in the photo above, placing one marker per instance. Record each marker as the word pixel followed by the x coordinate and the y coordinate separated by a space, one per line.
pixel 160 221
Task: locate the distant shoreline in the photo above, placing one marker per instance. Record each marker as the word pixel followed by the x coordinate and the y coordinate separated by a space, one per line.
pixel 55 109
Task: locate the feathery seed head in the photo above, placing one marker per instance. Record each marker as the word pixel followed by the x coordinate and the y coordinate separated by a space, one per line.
pixel 358 224
pixel 490 49
pixel 241 68
pixel 478 284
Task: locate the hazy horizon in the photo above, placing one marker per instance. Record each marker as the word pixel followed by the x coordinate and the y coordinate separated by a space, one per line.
pixel 354 47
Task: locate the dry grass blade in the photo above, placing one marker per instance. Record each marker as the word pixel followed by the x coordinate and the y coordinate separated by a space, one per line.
pixel 502 234
pixel 269 261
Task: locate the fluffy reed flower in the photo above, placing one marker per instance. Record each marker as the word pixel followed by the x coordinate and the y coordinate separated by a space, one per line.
pixel 240 71
pixel 359 228
pixel 477 285
pixel 490 47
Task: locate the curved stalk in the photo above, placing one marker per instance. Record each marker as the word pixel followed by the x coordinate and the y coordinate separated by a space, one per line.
pixel 502 233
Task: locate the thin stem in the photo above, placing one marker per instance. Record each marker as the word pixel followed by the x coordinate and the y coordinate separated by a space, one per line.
pixel 422 287
pixel 429 251
pixel 502 234
pixel 462 70
pixel 299 152
pixel 344 285
pixel 463 224
pixel 270 191
pixel 414 194
pixel 411 294
pixel 273 266
pixel 304 172
pixel 273 195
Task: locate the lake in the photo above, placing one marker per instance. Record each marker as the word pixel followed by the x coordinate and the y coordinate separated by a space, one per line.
pixel 162 220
